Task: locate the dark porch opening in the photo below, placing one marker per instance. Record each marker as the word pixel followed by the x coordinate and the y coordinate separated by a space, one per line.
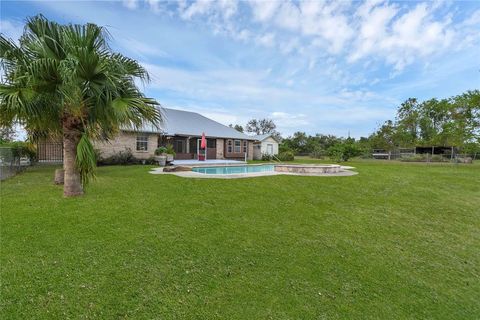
pixel 186 147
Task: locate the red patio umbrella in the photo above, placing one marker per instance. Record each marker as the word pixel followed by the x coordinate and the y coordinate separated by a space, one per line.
pixel 203 144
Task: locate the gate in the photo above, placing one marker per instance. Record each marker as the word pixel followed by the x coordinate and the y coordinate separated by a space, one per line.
pixel 50 151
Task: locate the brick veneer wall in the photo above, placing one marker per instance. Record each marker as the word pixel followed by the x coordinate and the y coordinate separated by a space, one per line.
pixel 127 140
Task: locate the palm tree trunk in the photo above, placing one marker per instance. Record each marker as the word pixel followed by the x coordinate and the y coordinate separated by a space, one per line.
pixel 72 183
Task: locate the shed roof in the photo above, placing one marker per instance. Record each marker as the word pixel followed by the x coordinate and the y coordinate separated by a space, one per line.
pixel 186 123
pixel 261 137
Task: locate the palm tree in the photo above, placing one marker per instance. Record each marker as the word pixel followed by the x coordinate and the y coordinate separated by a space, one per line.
pixel 63 80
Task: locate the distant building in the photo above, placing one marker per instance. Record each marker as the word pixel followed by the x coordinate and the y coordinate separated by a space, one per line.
pixel 264 144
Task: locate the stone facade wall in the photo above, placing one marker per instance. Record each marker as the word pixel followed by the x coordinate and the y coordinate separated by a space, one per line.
pixel 220 148
pixel 127 140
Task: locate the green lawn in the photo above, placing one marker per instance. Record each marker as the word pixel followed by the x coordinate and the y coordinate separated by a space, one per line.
pixel 395 241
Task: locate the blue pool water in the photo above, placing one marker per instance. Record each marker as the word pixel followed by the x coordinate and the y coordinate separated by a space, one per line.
pixel 234 169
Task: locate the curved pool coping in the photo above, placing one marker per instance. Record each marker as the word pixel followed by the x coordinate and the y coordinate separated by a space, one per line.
pixel 319 171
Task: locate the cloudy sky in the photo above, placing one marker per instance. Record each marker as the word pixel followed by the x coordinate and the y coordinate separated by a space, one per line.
pixel 314 66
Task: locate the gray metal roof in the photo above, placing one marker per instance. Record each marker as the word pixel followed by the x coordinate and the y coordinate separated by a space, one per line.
pixel 186 123
pixel 261 137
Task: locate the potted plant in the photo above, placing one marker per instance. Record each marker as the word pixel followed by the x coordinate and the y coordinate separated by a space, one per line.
pixel 161 156
pixel 170 152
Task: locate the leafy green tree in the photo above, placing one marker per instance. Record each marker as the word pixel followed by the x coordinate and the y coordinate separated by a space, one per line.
pixel 464 124
pixel 448 122
pixel 263 126
pixel 7 133
pixel 237 127
pixel 344 151
pixel 64 80
pixel 297 142
pixel 385 137
pixel 300 142
pixel 407 123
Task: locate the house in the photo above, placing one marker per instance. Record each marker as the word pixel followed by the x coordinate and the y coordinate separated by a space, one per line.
pixel 183 130
pixel 264 144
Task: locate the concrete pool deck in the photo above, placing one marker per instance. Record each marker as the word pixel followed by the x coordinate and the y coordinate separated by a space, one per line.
pixel 345 171
pixel 212 162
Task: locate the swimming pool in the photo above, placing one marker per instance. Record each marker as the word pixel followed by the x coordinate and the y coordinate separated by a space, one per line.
pixel 235 169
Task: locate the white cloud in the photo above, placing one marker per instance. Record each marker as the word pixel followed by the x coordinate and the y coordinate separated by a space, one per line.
pixel 156 6
pixel 371 32
pixel 221 9
pixel 130 4
pixel 199 7
pixel 243 35
pixel 327 23
pixel 373 28
pixel 244 85
pixel 401 38
pixel 140 48
pixel 474 19
pixel 267 40
pixel 289 120
pixel 288 16
pixel 264 10
pixel 228 8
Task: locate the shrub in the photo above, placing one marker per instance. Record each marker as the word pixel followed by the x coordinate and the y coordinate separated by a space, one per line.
pixel 286 156
pixel 119 158
pixel 284 148
pixel 366 154
pixel 267 157
pixel 425 158
pixel 318 153
pixel 150 160
pixel 414 158
pixel 438 158
pixel 170 149
pixel 160 150
pixel 343 151
pixel 335 153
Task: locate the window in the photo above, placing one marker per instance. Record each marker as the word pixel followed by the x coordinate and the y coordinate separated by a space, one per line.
pixel 211 143
pixel 229 146
pixel 179 146
pixel 245 146
pixel 238 146
pixel 142 143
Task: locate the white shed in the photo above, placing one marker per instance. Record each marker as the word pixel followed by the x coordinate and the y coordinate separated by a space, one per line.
pixel 264 144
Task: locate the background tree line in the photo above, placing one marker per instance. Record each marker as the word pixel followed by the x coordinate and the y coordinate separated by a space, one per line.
pixel 447 122
pixel 453 122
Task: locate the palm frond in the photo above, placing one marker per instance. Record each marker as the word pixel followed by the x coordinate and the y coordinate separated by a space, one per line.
pixel 86 159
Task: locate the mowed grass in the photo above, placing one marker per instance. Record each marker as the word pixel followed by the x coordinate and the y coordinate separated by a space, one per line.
pixel 395 241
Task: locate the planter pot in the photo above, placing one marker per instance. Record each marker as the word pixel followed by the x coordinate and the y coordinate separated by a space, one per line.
pixel 162 160
pixel 169 157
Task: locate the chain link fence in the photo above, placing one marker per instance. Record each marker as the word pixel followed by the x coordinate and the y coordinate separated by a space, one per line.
pixel 11 163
